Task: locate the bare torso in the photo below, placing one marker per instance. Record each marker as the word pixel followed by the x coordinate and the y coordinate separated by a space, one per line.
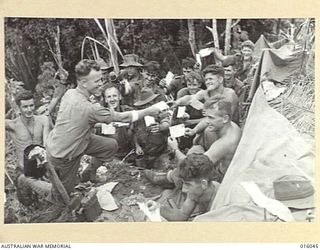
pixel 230 96
pixel 24 134
pixel 222 150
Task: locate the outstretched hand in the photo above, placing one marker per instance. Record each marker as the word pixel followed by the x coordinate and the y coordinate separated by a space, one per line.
pixel 153 111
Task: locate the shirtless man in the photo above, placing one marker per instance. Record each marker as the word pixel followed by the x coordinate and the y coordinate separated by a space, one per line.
pixel 214 77
pixel 217 116
pixel 28 128
pixel 195 172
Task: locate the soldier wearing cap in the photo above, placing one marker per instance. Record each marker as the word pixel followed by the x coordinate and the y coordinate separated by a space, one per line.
pixel 247 48
pixel 106 68
pixel 133 75
pixel 244 61
pixel 150 141
pixel 230 81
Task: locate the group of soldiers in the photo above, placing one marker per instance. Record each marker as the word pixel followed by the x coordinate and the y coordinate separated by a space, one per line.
pixel 109 115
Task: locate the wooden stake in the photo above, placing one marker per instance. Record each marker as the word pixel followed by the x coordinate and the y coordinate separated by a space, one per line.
pixel 228 37
pixel 191 39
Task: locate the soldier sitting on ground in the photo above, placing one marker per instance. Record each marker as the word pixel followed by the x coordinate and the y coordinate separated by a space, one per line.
pixel 122 132
pixel 220 141
pixel 150 141
pixel 131 68
pixel 191 116
pixel 179 82
pixel 196 174
pixel 26 129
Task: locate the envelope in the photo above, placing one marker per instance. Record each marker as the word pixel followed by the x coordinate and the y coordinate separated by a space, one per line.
pixel 205 52
pixel 161 105
pixel 149 120
pixel 108 129
pixel 152 215
pixel 177 130
pixel 181 111
pixel 198 59
pixel 169 78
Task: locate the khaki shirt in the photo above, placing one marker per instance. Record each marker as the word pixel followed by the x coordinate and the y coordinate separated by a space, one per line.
pixel 76 118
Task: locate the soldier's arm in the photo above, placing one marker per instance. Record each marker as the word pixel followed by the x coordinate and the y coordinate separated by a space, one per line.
pixel 104 115
pixel 192 121
pixel 200 126
pixel 218 150
pixel 46 128
pixel 9 125
pixel 164 123
pixel 235 108
pixel 131 116
pixel 182 214
pixel 58 94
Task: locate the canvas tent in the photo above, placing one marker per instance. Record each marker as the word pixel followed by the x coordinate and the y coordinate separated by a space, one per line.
pixel 260 44
pixel 270 147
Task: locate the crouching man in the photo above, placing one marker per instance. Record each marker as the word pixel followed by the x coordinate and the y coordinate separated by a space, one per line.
pixel 196 173
pixel 72 135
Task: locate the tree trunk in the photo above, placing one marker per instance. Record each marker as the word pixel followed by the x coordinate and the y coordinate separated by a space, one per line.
pixel 215 34
pixel 113 44
pixel 23 65
pixel 278 28
pixel 192 40
pixel 227 37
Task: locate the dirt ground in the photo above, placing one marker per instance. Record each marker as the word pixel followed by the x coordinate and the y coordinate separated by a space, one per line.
pixel 132 187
